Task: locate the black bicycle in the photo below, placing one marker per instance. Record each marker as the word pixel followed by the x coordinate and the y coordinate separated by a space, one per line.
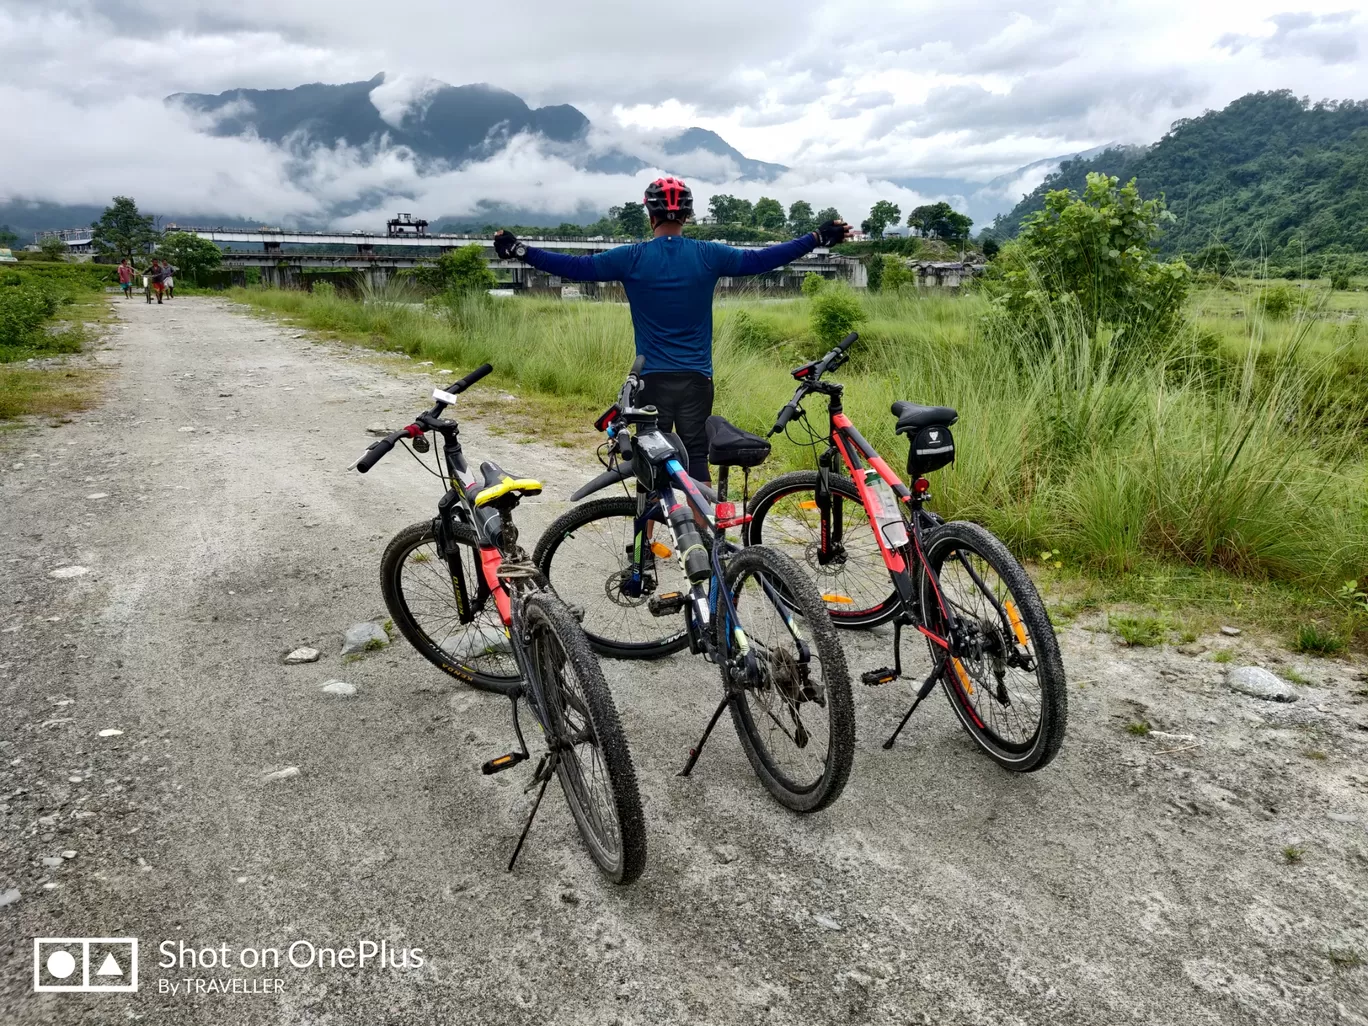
pixel 655 572
pixel 465 595
pixel 880 554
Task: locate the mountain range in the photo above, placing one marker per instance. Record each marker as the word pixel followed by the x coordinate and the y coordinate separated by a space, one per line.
pixel 1269 176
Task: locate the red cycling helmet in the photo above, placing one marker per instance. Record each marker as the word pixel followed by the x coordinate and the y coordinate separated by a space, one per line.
pixel 669 199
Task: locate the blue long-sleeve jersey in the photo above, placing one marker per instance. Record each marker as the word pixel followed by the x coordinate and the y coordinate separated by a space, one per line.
pixel 669 283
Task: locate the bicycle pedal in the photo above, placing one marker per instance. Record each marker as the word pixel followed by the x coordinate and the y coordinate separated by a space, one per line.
pixel 667 604
pixel 873 678
pixel 501 763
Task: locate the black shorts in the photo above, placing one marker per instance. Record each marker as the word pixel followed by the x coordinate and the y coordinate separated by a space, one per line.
pixel 685 401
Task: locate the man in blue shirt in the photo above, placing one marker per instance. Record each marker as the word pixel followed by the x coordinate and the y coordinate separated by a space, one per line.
pixel 669 283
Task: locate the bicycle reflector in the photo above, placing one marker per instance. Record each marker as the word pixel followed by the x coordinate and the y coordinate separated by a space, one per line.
pixel 921 486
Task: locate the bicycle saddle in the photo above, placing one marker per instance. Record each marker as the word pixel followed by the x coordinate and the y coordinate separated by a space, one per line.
pixel 498 483
pixel 729 446
pixel 911 416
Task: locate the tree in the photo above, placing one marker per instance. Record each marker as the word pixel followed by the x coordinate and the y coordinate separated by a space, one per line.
pixel 53 248
pixel 769 213
pixel 568 229
pixel 1093 257
pixel 8 237
pixel 727 209
pixel 990 248
pixel 189 254
pixel 875 272
pixel 122 231
pixel 632 219
pixel 813 283
pixel 800 218
pixel 940 220
pixel 881 215
pixel 458 271
pixel 829 214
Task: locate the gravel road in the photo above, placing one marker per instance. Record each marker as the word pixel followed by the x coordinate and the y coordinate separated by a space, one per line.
pixel 1220 876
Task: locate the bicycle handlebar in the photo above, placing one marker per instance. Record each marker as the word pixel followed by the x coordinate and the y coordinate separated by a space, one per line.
pixel 808 375
pixel 376 451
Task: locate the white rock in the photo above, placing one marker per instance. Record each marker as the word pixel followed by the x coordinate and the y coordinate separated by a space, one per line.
pixel 826 922
pixel 288 773
pixel 111 732
pixel 69 854
pixel 52 861
pixel 302 655
pixel 339 688
pixel 1164 735
pixel 187 430
pixel 98 495
pixel 361 635
pixel 1231 632
pixel 1256 681
pixel 9 897
pixel 65 572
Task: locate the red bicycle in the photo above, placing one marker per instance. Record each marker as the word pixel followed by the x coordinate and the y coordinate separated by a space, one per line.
pixel 992 645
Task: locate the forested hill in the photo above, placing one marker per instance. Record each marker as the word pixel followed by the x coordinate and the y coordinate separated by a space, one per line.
pixel 1268 175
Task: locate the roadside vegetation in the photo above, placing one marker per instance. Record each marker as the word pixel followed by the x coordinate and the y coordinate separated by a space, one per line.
pixel 43 309
pixel 1169 441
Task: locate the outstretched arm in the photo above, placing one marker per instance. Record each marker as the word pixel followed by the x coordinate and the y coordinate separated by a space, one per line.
pixel 758 261
pixel 609 266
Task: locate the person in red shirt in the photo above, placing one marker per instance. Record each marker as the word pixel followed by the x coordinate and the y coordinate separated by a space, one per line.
pixel 126 278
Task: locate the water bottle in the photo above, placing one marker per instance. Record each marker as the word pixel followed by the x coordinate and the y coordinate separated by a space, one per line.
pixel 884 512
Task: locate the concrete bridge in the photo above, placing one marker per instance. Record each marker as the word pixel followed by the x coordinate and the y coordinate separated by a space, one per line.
pixel 281 266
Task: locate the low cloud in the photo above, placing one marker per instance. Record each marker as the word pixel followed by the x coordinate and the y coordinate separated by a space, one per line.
pixel 1327 38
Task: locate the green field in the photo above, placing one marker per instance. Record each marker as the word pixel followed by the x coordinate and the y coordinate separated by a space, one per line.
pixel 1229 474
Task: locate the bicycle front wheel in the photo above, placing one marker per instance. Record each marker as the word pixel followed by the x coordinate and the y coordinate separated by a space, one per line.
pixel 587 554
pixel 1005 680
pixel 593 761
pixel 795 715
pixel 853 582
pixel 452 622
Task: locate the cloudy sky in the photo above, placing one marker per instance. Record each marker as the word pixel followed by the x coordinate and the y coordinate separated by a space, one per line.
pixel 849 93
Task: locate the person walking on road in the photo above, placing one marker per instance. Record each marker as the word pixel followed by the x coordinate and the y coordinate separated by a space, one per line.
pixel 669 283
pixel 158 275
pixel 126 278
pixel 168 280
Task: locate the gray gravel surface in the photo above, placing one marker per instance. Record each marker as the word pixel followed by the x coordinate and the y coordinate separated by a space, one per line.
pixel 1139 879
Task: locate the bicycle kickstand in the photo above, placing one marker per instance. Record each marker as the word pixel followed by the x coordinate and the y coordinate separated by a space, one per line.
pixel 545 770
pixel 697 749
pixel 922 692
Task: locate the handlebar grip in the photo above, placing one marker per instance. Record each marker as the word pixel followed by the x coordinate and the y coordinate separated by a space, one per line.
pixel 470 379
pixel 374 453
pixel 785 415
pixel 848 341
pixel 637 364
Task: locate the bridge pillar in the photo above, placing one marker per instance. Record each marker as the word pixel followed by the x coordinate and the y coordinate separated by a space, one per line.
pixel 272 248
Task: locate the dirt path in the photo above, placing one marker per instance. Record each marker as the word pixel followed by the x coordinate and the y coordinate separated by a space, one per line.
pixel 1138 880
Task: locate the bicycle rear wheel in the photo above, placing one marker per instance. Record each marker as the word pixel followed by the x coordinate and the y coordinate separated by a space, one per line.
pixel 797 722
pixel 426 601
pixel 1006 680
pixel 854 586
pixel 594 763
pixel 587 555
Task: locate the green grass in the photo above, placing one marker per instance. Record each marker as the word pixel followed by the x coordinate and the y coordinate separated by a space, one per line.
pixel 1292 854
pixel 1140 728
pixel 1223 655
pixel 1138 631
pixel 50 392
pixel 1316 640
pixel 1230 469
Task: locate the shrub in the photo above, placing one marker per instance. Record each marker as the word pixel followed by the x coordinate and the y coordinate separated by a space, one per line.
pixel 324 289
pixel 53 248
pixel 23 309
pixel 461 270
pixel 875 272
pixel 813 283
pixel 896 275
pixel 751 333
pixel 1092 257
pixel 835 312
pixel 1339 282
pixel 1279 301
pixel 1316 641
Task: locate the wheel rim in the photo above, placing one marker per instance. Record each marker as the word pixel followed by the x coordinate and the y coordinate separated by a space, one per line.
pixel 583 774
pixel 589 569
pixel 1001 702
pixel 428 591
pixel 854 587
pixel 785 705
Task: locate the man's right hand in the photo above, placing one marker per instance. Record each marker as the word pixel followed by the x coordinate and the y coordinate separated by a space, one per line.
pixel 506 244
pixel 832 233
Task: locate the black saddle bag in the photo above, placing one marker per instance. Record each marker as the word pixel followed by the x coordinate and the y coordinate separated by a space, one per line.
pixel 933 447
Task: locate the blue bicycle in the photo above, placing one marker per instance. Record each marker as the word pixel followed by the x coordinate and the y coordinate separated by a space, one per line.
pixel 654 572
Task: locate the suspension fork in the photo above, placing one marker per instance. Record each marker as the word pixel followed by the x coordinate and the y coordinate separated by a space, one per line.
pixel 831 514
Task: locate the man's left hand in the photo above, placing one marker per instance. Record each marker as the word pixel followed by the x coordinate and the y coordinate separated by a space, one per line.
pixel 506 244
